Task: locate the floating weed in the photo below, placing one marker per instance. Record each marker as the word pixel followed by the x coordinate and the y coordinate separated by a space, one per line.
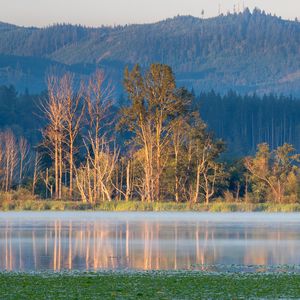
pixel 150 285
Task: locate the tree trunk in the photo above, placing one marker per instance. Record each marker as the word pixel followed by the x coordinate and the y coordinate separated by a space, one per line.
pixel 71 170
pixel 60 171
pixel 128 188
pixel 176 177
pixel 195 200
pixel 56 162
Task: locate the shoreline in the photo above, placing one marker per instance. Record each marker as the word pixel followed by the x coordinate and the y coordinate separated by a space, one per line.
pixel 135 206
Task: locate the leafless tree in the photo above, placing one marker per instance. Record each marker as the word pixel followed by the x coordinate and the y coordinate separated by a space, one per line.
pixel 24 151
pixel 74 112
pixel 54 134
pixel 36 170
pixel 9 159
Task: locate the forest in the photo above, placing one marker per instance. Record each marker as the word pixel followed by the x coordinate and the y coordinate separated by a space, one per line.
pixel 77 144
pixel 249 51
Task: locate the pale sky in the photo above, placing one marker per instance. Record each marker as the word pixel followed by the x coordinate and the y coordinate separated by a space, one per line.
pixel 114 12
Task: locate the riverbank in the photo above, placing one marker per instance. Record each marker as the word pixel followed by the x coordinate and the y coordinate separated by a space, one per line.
pixel 149 285
pixel 45 205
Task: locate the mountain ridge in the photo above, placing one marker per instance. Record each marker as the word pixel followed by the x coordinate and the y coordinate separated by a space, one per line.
pixel 247 52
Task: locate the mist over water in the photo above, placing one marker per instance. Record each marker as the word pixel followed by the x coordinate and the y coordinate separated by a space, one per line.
pixel 146 241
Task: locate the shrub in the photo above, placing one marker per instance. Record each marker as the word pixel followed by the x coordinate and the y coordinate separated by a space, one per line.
pixel 228 197
pixel 57 205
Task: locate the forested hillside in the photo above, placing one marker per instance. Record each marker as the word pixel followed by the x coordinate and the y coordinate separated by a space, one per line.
pixel 245 52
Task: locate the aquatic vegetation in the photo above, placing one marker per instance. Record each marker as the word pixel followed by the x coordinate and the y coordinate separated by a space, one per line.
pixel 149 285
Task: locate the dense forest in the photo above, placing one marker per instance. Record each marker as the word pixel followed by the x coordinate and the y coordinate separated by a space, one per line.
pixel 246 121
pixel 245 51
pixel 242 122
pixel 74 143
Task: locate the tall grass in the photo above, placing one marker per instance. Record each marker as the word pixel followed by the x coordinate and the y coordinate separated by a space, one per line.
pixel 21 200
pixel 13 201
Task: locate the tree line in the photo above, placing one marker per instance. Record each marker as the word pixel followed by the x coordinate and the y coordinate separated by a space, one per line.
pixel 154 148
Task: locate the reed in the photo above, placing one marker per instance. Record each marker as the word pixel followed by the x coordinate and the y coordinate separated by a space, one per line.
pixel 25 202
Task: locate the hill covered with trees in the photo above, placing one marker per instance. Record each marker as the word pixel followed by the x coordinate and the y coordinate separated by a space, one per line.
pixel 246 52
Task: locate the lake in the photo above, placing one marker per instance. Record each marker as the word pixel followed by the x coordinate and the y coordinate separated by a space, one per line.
pixel 34 241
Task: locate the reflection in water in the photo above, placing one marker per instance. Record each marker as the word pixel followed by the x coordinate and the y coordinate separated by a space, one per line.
pixel 65 242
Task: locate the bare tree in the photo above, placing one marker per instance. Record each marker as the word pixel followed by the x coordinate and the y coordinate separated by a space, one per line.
pixel 104 168
pixel 36 171
pixel 24 151
pixel 179 133
pixel 201 164
pixel 128 181
pixel 1 159
pixel 48 184
pixel 54 133
pixel 74 111
pixel 210 175
pixel 10 159
pixel 98 102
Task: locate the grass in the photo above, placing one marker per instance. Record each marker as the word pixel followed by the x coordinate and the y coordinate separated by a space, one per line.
pixel 41 205
pixel 21 199
pixel 152 285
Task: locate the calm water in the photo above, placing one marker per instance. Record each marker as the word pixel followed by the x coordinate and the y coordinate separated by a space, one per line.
pixel 146 241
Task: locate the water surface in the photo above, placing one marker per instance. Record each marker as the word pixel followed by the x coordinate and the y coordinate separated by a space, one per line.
pixel 146 241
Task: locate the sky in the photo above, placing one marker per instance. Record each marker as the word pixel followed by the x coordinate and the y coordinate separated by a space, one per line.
pixel 114 12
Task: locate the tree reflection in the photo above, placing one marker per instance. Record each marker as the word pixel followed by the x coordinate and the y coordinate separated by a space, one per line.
pixel 143 245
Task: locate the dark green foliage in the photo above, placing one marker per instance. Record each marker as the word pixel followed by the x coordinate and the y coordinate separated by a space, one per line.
pixel 246 121
pixel 149 285
pixel 20 113
pixel 247 52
